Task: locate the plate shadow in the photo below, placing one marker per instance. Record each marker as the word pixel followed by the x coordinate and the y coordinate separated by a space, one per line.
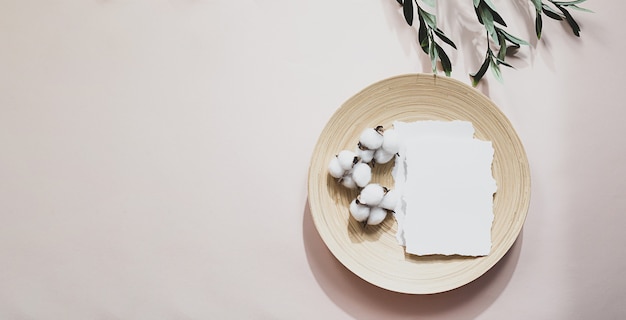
pixel 363 300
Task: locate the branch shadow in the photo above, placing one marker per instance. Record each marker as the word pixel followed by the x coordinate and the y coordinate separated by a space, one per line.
pixel 457 19
pixel 406 35
pixel 361 299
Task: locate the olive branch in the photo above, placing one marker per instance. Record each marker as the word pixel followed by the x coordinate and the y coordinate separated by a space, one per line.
pixel 499 42
pixel 426 32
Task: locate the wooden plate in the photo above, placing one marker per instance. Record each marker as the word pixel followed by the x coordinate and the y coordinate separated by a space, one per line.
pixel 372 253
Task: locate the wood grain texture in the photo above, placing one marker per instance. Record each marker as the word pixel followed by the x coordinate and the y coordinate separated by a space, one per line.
pixel 372 253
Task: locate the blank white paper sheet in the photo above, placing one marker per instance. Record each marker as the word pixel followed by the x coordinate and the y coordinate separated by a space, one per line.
pixel 446 188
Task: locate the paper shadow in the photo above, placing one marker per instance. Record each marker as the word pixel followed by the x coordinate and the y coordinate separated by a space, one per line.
pixel 363 300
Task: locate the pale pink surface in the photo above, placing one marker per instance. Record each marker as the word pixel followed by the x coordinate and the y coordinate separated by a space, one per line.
pixel 154 159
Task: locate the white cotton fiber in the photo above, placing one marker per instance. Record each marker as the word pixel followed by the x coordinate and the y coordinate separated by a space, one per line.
pixel 335 169
pixel 377 215
pixel 391 141
pixel 372 194
pixel 347 159
pixel 371 138
pixel 365 155
pixel 390 200
pixel 361 174
pixel 358 211
pixel 348 182
pixel 382 156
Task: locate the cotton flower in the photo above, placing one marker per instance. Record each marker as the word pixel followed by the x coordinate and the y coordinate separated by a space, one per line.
pixel 373 204
pixel 348 182
pixel 361 174
pixel 382 156
pixel 335 169
pixel 359 212
pixel 352 169
pixel 390 200
pixel 371 195
pixel 347 159
pixel 350 172
pixel 377 215
pixel 371 138
pixel 391 141
pixel 366 155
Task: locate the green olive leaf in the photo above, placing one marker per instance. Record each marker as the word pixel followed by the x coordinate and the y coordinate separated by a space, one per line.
pixel 548 11
pixel 476 3
pixel 480 19
pixel 422 35
pixel 511 38
pixel 573 6
pixel 487 19
pixel 570 20
pixel 432 52
pixel 501 62
pixel 481 72
pixel 407 8
pixel 558 3
pixel 495 69
pixel 538 24
pixel 445 60
pixel 430 19
pixel 430 3
pixel 490 4
pixel 537 4
pixel 443 37
pixel 497 18
pixel 502 44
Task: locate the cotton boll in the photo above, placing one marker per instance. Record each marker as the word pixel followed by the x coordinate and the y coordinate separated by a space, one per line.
pixel 391 141
pixel 359 211
pixel 348 182
pixel 390 200
pixel 382 156
pixel 377 215
pixel 372 194
pixel 365 155
pixel 335 169
pixel 347 159
pixel 371 138
pixel 362 174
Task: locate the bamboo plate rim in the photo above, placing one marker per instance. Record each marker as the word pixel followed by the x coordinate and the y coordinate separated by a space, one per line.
pixel 373 253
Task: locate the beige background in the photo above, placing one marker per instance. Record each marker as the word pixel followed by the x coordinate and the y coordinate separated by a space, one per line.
pixel 154 156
